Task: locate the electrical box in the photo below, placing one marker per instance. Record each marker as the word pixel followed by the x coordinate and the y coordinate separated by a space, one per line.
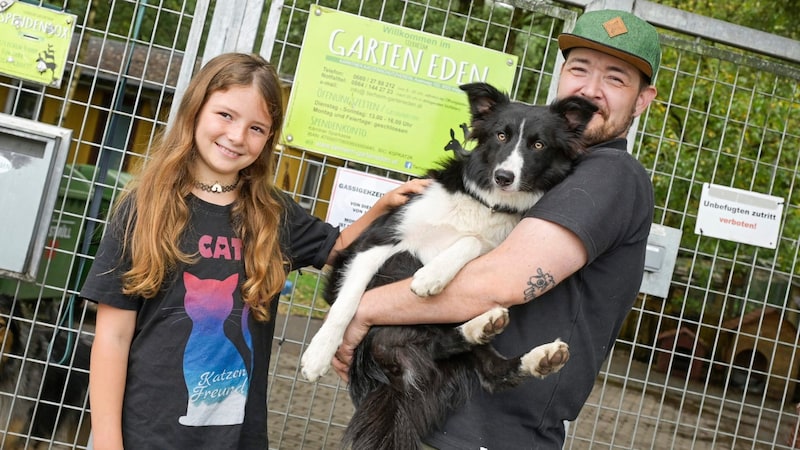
pixel 659 261
pixel 32 157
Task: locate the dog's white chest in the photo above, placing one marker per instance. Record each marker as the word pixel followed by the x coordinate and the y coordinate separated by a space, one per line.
pixel 433 222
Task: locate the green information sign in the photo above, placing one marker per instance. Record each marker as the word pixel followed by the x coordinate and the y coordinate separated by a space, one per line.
pixel 382 94
pixel 34 42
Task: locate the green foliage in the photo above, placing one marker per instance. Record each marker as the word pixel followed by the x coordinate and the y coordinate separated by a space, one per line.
pixel 305 298
pixel 726 118
pixel 729 123
pixel 163 22
pixel 778 17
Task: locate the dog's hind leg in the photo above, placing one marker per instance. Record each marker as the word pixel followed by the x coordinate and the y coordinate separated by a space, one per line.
pixel 483 328
pixel 439 342
pixel 317 358
pixel 545 359
pixel 498 372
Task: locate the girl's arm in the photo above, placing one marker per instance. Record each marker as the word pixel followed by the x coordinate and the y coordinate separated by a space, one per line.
pixel 390 200
pixel 107 373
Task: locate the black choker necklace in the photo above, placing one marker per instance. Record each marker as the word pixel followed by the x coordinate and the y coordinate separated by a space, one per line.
pixel 216 188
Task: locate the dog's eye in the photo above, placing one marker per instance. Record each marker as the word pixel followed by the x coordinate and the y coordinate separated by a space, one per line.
pixel 501 136
pixel 538 145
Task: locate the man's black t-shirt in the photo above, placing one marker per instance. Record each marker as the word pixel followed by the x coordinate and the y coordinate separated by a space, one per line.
pixel 608 203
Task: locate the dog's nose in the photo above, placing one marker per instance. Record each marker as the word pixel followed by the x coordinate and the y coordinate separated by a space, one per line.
pixel 503 177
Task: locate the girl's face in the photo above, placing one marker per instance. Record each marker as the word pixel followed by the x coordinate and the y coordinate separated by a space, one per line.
pixel 232 128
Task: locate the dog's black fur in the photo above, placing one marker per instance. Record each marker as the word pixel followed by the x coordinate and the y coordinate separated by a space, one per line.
pixel 40 401
pixel 405 379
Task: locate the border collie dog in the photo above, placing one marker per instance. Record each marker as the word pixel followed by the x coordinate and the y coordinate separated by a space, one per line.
pixel 404 379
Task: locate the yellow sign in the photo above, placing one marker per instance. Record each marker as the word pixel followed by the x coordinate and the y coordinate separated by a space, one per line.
pixel 34 43
pixel 384 95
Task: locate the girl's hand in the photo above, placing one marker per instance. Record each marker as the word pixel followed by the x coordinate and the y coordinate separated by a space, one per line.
pixel 392 199
pixel 400 195
pixel 344 355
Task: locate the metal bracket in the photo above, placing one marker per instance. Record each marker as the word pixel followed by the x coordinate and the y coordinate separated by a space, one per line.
pixel 5 4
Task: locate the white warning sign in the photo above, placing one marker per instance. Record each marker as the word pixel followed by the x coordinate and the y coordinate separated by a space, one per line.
pixel 740 216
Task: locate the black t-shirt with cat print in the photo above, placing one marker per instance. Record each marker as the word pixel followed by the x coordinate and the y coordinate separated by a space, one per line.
pixel 198 363
pixel 608 203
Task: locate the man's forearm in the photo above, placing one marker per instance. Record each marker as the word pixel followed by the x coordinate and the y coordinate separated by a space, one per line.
pixel 518 271
pixel 396 304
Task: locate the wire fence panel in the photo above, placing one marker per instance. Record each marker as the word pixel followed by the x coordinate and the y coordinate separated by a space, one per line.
pixel 118 82
pixel 713 364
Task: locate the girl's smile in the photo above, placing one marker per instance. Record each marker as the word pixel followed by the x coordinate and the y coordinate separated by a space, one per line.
pixel 232 129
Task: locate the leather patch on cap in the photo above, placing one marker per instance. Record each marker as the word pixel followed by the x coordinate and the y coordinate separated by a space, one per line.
pixel 615 27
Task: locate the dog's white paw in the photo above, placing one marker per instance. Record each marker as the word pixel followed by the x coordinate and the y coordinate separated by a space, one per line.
pixel 427 282
pixel 545 359
pixel 316 360
pixel 483 328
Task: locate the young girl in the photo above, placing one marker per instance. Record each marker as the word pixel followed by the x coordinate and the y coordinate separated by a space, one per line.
pixel 188 273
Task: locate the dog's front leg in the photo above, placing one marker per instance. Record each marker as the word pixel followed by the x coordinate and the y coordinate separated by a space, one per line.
pixel 432 278
pixel 317 358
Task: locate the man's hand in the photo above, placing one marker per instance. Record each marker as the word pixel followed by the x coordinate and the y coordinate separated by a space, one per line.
pixel 344 355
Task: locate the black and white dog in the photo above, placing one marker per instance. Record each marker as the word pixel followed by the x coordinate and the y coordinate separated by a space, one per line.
pixel 404 379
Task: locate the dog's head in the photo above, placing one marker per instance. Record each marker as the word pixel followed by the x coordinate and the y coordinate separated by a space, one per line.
pixel 522 150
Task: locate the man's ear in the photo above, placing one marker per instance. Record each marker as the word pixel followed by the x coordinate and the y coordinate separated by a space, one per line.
pixel 643 100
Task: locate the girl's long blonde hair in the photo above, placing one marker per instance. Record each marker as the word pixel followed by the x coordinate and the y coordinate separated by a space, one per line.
pixel 160 192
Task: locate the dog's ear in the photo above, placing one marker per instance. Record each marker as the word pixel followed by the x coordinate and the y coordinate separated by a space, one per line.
pixel 576 111
pixel 483 99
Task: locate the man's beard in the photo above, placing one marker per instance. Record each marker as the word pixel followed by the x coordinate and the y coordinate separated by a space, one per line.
pixel 607 131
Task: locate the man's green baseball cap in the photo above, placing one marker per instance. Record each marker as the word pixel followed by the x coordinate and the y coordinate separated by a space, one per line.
pixel 619 34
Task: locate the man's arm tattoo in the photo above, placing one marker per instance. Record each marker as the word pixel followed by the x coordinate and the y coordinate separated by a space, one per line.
pixel 537 284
